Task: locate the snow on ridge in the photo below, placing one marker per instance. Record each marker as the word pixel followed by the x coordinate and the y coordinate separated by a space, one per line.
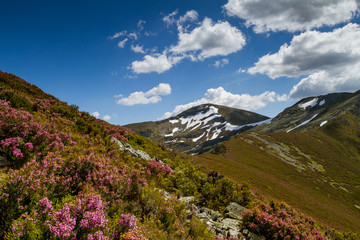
pixel 303 123
pixel 176 129
pixel 322 102
pixel 323 123
pixel 173 121
pixel 196 139
pixel 311 103
pixel 198 119
pixel 230 127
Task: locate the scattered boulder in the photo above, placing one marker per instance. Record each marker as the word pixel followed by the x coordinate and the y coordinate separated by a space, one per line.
pixel 234 211
pixel 253 236
pixel 187 200
pixel 4 162
pixel 130 150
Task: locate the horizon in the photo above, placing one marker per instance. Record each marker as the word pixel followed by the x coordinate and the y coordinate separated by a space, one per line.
pixel 139 61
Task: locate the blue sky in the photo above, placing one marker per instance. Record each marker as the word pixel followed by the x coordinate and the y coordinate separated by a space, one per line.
pixel 132 61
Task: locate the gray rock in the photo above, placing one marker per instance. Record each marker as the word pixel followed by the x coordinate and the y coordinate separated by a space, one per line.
pixel 229 223
pixel 130 150
pixel 234 210
pixel 4 162
pixel 187 200
pixel 214 215
pixel 253 236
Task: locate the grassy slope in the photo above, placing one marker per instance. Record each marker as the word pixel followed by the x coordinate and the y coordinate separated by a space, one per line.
pixel 335 147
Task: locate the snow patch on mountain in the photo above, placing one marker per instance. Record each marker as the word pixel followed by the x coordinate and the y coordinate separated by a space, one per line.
pixel 303 123
pixel 173 121
pixel 196 139
pixel 323 123
pixel 176 129
pixel 311 103
pixel 195 121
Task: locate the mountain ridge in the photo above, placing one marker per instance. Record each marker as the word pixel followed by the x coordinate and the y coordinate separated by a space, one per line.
pixel 197 129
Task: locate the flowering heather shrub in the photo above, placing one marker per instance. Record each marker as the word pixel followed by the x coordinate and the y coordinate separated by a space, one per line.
pixel 21 135
pixel 159 168
pixel 62 224
pixel 279 221
pixel 126 227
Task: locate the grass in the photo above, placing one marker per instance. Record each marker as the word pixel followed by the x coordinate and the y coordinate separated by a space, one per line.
pixel 329 197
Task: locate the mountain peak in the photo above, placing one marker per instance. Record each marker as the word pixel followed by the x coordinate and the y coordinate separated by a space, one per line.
pixel 199 128
pixel 314 112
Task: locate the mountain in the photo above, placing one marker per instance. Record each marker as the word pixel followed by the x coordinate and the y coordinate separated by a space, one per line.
pixel 314 112
pixel 66 175
pixel 198 129
pixel 308 156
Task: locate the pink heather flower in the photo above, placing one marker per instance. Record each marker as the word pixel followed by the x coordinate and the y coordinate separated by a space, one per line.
pixel 63 224
pixel 45 205
pixel 128 221
pixel 29 145
pixel 97 236
pixel 17 153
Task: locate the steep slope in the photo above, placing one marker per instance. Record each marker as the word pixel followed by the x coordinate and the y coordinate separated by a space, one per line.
pixel 197 129
pixel 67 175
pixel 312 163
pixel 314 112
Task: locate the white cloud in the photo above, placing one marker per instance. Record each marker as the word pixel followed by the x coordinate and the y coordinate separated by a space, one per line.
pixel 140 25
pixel 191 16
pixel 170 18
pixel 133 36
pixel 117 35
pixel 155 63
pixel 95 114
pixel 221 97
pixel 240 70
pixel 330 61
pixel 291 15
pixel 122 43
pixel 210 39
pixel 149 97
pixel 221 63
pixel 106 117
pixel 138 49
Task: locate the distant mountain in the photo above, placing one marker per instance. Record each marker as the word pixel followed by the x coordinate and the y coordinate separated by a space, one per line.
pixel 308 155
pixel 198 129
pixel 314 112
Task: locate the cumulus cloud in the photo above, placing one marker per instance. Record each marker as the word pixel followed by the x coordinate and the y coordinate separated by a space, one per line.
pixel 106 117
pixel 95 114
pixel 221 63
pixel 220 96
pixel 191 16
pixel 122 43
pixel 210 39
pixel 138 49
pixel 293 15
pixel 329 61
pixel 155 63
pixel 149 97
pixel 207 40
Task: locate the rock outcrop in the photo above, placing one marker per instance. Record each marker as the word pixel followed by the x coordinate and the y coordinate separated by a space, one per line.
pixel 132 151
pixel 230 226
pixel 4 162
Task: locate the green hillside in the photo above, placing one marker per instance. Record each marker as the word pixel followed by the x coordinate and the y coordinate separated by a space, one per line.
pixel 67 175
pixel 316 171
